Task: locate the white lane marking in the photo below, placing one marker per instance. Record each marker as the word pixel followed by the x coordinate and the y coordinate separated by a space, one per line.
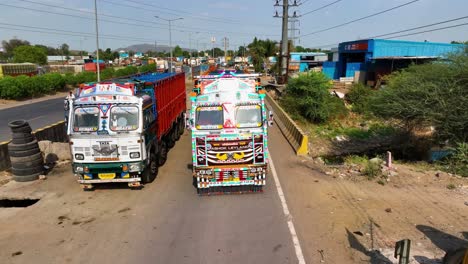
pixel 292 230
pixel 37 117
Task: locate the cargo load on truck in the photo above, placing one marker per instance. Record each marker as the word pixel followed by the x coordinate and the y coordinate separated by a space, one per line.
pixel 229 123
pixel 121 130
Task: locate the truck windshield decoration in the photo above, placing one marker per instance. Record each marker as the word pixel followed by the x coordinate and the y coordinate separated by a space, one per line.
pixel 249 116
pixel 124 118
pixel 86 119
pixel 209 117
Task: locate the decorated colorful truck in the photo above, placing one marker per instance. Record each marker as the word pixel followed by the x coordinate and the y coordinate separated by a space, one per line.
pixel 229 122
pixel 120 131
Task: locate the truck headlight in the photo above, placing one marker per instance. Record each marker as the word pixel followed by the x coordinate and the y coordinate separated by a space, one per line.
pixel 134 155
pixel 79 169
pixel 134 167
pixel 79 156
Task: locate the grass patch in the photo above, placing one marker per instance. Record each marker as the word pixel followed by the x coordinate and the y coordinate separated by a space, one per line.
pixel 451 186
pixel 332 130
pixel 356 159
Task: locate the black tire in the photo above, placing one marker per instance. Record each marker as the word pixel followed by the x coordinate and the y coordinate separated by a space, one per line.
pixel 162 154
pixel 25 159
pixel 151 171
pixel 23 147
pixel 170 140
pixel 27 171
pixel 25 129
pixel 27 178
pixel 455 256
pixel 18 123
pixel 20 135
pixel 181 126
pixel 28 164
pixel 22 140
pixel 177 132
pixel 26 153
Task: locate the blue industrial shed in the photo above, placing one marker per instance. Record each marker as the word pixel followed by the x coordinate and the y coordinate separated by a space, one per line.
pixel 378 57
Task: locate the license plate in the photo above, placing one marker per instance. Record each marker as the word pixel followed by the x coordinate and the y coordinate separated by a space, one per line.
pixel 106 176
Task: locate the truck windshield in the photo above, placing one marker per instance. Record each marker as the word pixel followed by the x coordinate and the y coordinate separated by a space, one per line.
pixel 86 119
pixel 249 116
pixel 124 118
pixel 209 117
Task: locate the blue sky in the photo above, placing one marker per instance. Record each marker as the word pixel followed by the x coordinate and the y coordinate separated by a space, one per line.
pixel 238 20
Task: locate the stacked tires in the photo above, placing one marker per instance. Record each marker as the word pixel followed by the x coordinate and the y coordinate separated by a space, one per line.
pixel 26 158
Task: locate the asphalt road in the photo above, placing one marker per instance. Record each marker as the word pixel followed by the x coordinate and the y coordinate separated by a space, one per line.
pixel 38 115
pixel 165 222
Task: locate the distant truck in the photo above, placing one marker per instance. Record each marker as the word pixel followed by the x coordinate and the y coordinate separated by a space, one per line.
pixel 15 69
pixel 229 123
pixel 121 131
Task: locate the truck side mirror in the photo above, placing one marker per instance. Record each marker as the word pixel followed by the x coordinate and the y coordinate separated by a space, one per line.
pixel 188 122
pixel 66 105
pixel 270 118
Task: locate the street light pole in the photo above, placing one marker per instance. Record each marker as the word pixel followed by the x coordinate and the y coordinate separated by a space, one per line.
pixel 97 43
pixel 170 37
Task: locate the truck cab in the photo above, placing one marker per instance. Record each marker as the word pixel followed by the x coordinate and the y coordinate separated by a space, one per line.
pixel 229 122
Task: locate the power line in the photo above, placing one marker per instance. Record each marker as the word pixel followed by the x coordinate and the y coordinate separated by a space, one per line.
pixel 362 18
pixel 426 31
pixel 182 11
pixel 411 29
pixel 320 8
pixel 195 16
pixel 117 22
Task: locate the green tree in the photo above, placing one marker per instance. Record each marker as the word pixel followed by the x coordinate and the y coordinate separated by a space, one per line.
pixel 428 95
pixel 308 96
pixel 65 49
pixel 9 46
pixel 177 51
pixel 29 54
pixel 241 51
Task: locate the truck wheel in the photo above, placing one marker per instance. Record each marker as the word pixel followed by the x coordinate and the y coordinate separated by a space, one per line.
pixel 151 171
pixel 170 140
pixel 162 155
pixel 181 126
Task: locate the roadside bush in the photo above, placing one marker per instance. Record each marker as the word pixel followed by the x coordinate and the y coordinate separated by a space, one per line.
pixel 148 68
pixel 372 170
pixel 308 96
pixel 10 88
pixel 84 77
pixel 457 162
pixel 358 96
pixel 129 70
pixel 107 73
pixel 54 81
pixel 428 95
pixel 70 79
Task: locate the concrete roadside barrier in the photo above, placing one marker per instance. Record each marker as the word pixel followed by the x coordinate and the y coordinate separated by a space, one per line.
pixel 293 133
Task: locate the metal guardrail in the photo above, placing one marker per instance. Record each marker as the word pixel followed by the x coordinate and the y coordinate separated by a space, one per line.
pixel 293 133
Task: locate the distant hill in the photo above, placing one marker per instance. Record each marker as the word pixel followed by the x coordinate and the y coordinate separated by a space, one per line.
pixel 149 47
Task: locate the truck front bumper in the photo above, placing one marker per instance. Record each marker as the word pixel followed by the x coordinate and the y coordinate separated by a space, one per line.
pixel 138 179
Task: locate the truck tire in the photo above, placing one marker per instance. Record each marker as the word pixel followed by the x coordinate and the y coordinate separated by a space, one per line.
pixel 25 159
pixel 23 139
pixel 39 161
pixel 22 147
pixel 151 171
pixel 25 153
pixel 181 126
pixel 20 126
pixel 170 139
pixel 27 178
pixel 176 132
pixel 162 154
pixel 27 171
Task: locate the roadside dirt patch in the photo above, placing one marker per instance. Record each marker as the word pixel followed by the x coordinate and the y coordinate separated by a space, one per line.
pixel 357 220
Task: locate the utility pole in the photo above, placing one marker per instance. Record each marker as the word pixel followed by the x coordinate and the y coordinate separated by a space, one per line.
pixel 155 48
pixel 170 38
pixel 284 54
pixel 284 41
pixel 97 43
pixel 225 49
